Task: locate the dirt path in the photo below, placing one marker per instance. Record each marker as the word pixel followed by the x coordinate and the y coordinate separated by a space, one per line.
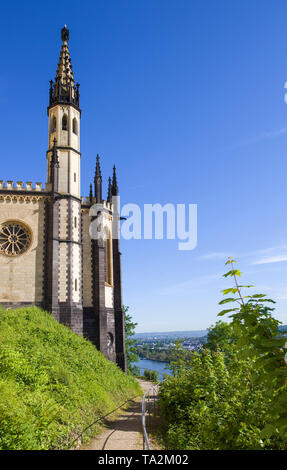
pixel 124 431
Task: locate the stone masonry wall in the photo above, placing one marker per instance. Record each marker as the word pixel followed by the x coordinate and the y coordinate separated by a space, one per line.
pixel 22 277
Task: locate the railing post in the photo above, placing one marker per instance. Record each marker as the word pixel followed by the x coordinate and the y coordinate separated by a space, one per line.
pixel 155 390
pixel 148 409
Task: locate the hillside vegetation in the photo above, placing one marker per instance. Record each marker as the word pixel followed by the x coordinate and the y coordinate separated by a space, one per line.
pixel 232 395
pixel 53 383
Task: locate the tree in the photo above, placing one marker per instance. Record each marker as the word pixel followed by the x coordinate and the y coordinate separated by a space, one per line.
pixel 233 393
pixel 212 403
pixel 131 352
pixel 260 340
pixel 221 337
pixel 179 358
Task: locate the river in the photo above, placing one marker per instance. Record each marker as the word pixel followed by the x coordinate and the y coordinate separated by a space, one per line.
pixel 159 367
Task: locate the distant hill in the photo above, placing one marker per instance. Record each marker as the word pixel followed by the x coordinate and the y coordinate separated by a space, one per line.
pixel 172 334
pixel 180 334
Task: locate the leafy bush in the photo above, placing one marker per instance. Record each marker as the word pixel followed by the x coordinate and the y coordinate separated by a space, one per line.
pixel 151 375
pixel 233 395
pixel 261 340
pixel 221 337
pixel 53 383
pixel 214 405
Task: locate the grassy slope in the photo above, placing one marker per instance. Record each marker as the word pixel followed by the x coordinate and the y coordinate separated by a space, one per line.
pixel 53 383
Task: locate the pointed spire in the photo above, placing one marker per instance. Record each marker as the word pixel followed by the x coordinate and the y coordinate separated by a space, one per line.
pixel 91 193
pixel 98 181
pixel 115 188
pixel 65 34
pixel 98 168
pixel 54 165
pixel 109 197
pixel 55 159
pixel 64 69
pixel 64 90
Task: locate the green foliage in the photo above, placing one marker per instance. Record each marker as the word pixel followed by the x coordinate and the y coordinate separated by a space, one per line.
pixel 131 351
pixel 233 394
pixel 154 353
pixel 221 336
pixel 179 362
pixel 261 341
pixel 53 383
pixel 214 405
pixel 151 375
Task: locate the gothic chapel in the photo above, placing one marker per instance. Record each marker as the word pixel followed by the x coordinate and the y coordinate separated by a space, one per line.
pixel 47 257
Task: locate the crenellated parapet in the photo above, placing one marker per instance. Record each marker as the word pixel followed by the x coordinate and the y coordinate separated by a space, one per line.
pixel 87 201
pixel 20 186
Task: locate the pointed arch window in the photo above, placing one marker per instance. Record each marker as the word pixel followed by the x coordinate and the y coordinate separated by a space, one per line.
pixel 53 124
pixel 75 126
pixel 65 123
pixel 108 257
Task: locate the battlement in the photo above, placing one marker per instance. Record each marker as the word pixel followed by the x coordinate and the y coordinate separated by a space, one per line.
pixel 20 186
pixel 87 201
pixel 107 205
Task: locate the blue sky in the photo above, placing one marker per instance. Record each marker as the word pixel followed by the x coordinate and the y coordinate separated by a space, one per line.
pixel 187 99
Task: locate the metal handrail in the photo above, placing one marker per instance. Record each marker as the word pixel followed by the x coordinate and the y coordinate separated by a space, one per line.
pixel 155 393
pixel 101 418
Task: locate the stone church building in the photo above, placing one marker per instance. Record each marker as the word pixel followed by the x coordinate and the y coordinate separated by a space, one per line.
pixel 47 257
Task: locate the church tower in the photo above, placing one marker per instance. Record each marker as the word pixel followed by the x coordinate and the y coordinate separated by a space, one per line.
pixel 64 243
pixel 47 255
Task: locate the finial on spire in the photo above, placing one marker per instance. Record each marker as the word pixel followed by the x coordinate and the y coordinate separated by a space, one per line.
pixel 98 181
pixel 55 159
pixel 65 34
pixel 115 188
pixel 109 197
pixel 98 168
pixel 54 168
pixel 91 193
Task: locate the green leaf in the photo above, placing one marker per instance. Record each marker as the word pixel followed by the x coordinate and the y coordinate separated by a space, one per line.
pixel 230 299
pixel 231 290
pixel 259 300
pixel 233 272
pixel 282 423
pixel 230 261
pixel 223 312
pixel 268 430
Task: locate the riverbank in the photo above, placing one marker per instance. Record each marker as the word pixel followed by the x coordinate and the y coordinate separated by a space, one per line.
pixel 160 367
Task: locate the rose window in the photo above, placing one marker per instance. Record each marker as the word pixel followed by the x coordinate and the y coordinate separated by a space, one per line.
pixel 15 238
